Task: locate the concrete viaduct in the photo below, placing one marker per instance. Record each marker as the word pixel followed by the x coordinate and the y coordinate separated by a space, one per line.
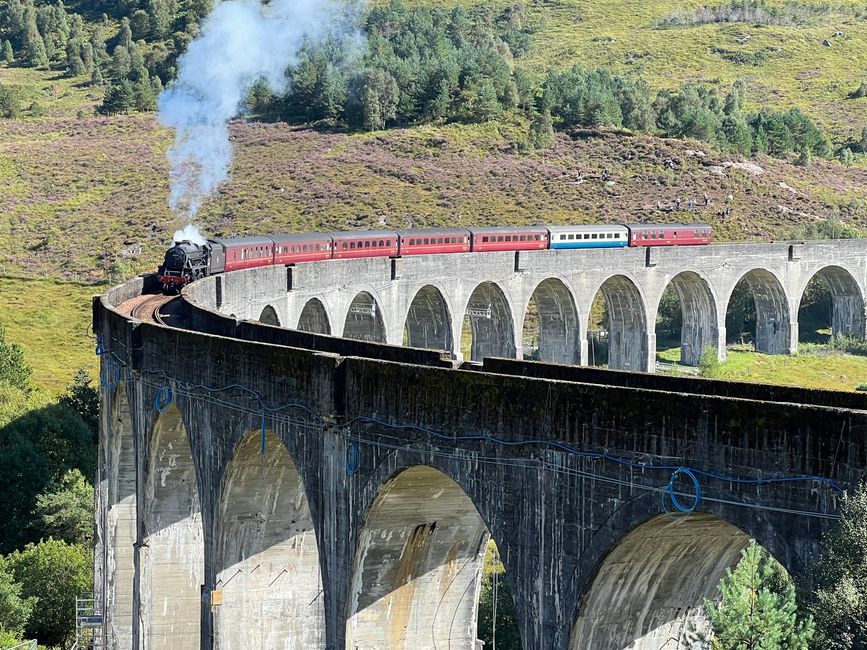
pixel 263 487
pixel 423 301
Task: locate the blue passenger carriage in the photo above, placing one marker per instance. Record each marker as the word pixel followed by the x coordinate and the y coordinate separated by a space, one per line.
pixel 590 236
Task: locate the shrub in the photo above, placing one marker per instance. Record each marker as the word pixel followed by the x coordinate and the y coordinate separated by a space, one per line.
pixel 708 362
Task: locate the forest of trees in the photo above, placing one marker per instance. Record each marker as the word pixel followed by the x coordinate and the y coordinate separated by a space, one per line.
pixel 416 65
pixel 47 458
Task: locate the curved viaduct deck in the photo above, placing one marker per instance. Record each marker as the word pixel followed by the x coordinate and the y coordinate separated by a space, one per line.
pixel 422 300
pixel 267 488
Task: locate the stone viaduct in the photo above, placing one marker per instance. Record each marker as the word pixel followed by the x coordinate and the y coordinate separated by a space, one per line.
pixel 263 487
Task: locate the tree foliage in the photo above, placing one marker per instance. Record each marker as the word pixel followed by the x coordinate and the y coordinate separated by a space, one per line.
pixel 64 510
pixel 56 573
pixel 839 602
pixel 497 619
pixel 15 610
pixel 758 610
pixel 13 367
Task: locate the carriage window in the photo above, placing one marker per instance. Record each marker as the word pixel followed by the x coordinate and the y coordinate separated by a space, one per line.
pixel 426 240
pixel 352 244
pixel 499 238
pixel 382 242
pixel 367 244
pixel 594 236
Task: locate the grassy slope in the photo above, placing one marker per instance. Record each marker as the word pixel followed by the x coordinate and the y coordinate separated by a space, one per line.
pixel 104 179
pixel 50 320
pixel 813 369
pixel 797 70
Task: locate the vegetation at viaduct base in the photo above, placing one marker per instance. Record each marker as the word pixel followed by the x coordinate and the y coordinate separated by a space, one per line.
pixel 47 448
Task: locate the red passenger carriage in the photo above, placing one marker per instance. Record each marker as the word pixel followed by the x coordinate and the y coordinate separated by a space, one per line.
pixel 365 243
pixel 509 239
pixel 307 247
pixel 669 234
pixel 429 241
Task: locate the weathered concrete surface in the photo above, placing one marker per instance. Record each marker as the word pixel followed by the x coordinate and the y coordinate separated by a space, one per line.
pixel 267 558
pixel 416 575
pixel 554 515
pixel 650 589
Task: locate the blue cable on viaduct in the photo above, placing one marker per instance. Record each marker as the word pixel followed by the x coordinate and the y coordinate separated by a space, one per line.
pixel 321 486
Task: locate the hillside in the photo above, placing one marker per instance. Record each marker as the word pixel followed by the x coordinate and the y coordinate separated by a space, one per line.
pixel 80 193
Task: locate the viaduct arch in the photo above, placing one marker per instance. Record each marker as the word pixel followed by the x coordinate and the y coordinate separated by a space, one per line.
pixel 356 432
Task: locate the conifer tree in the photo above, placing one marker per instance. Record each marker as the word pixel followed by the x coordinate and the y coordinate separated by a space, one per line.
pixel 74 64
pixel 8 53
pixel 143 92
pixel 839 602
pixel 34 47
pixel 119 98
pixel 541 135
pixel 758 610
pixel 125 37
pixel 863 142
pixel 96 78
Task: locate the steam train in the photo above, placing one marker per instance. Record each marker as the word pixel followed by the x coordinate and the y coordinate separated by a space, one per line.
pixel 186 261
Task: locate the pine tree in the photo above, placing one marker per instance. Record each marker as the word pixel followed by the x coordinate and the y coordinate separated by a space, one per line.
pixel 541 135
pixel 839 602
pixel 74 64
pixel 863 142
pixel 8 53
pixel 119 98
pixel 96 78
pixel 143 92
pixel 121 64
pixel 758 608
pixel 125 36
pixel 34 47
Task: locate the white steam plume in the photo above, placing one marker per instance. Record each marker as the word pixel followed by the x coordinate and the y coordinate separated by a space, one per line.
pixel 189 233
pixel 241 41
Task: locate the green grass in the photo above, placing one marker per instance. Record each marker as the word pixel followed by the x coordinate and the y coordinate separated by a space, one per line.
pixel 51 321
pixel 59 95
pixel 815 368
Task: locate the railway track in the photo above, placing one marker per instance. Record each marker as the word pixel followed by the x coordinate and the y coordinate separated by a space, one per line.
pixel 147 308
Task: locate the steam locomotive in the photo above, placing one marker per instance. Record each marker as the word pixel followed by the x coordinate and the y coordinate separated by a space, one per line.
pixel 187 261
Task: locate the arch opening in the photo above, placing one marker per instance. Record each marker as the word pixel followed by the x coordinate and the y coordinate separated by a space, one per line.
pixel 364 320
pixel 428 324
pixel 120 521
pixel 757 313
pixel 173 550
pixel 617 326
pixel 269 316
pixel 659 575
pixel 487 329
pixel 267 557
pixel 831 306
pixel 550 329
pixel 314 318
pixel 686 319
pixel 418 565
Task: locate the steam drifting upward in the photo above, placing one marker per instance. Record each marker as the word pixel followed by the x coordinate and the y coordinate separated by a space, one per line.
pixel 189 233
pixel 241 42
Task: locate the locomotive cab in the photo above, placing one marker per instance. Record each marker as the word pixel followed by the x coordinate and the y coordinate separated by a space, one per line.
pixel 184 262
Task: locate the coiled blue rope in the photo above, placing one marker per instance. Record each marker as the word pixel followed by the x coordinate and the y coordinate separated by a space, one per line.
pixel 352 458
pixel 109 376
pixel 163 399
pixel 696 500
